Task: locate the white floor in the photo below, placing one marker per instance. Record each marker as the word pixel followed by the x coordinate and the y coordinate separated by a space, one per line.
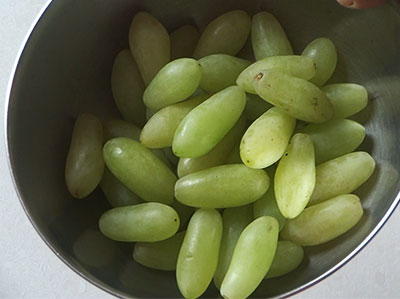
pixel 28 269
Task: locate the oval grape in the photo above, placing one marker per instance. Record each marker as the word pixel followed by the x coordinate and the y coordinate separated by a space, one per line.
pixel 342 175
pixel 297 97
pixel 295 176
pixel 198 256
pixel 256 246
pixel 222 187
pixel 334 138
pixel 127 88
pixel 346 98
pixel 226 34
pixel 266 139
pixel 140 170
pixel 146 222
pixel 324 221
pixel 208 123
pixel 268 37
pixel 174 83
pixel 84 167
pixel 323 52
pixel 150 45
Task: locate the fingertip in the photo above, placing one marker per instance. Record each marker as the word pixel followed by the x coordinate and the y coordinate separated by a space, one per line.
pixel 346 3
pixel 360 4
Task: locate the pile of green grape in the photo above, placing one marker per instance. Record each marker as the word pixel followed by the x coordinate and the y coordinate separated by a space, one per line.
pixel 236 165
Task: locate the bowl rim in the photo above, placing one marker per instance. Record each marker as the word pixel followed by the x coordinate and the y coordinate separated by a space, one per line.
pixel 90 278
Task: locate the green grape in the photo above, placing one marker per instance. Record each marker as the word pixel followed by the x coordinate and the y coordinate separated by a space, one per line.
pixel 346 98
pixel 234 221
pixel 234 156
pixel 183 41
pixel 119 128
pixel 267 205
pixel 222 187
pixel 173 160
pixel 150 45
pixel 220 71
pixel 146 222
pixel 255 107
pixel 297 97
pixel 226 34
pixel 174 83
pixel 323 52
pixel 161 255
pixel 198 257
pixel 268 37
pixel 139 170
pixel 342 175
pixel 208 123
pixel 324 221
pixel 288 257
pixel 116 193
pixel 160 129
pixel 217 156
pixel 84 166
pixel 252 258
pixel 127 88
pixel 184 213
pixel 295 176
pixel 266 139
pixel 297 66
pixel 334 138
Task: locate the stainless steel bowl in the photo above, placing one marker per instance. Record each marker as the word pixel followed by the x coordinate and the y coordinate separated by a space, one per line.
pixel 65 68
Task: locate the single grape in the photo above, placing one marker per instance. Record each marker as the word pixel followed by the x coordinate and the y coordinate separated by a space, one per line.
pixel 323 52
pixel 226 34
pixel 198 256
pixel 222 187
pixel 324 221
pixel 346 98
pixel 266 139
pixel 146 222
pixel 268 37
pixel 150 45
pixel 342 175
pixel 175 82
pixel 334 138
pixel 252 258
pixel 295 176
pixel 84 167
pixel 297 97
pixel 140 170
pixel 127 88
pixel 208 123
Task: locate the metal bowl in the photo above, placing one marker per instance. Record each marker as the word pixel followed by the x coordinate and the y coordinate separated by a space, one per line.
pixel 64 69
